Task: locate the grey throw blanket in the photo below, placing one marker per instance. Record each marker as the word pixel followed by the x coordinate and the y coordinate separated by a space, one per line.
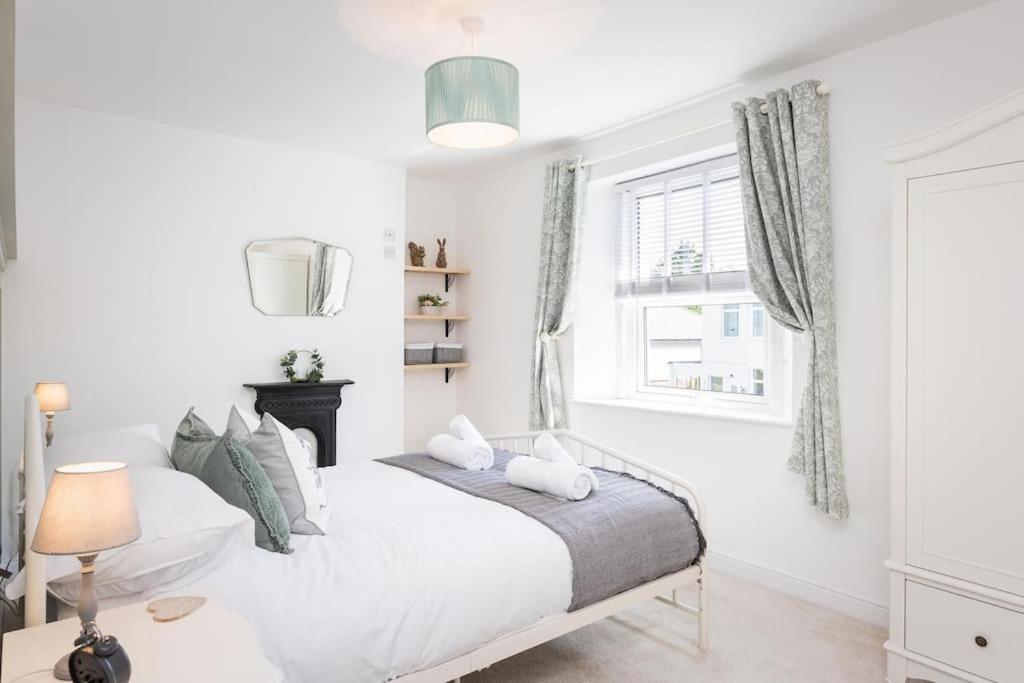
pixel 625 534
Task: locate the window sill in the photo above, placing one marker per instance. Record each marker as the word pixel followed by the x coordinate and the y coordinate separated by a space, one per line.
pixel 669 408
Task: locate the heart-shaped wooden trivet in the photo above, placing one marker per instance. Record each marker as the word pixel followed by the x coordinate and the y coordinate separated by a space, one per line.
pixel 169 609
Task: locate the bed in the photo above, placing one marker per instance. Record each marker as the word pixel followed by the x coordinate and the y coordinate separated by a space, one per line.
pixel 393 593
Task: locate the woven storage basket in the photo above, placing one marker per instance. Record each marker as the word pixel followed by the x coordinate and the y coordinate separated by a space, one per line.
pixel 419 354
pixel 448 352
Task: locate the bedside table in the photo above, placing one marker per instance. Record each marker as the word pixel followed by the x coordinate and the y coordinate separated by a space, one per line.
pixel 211 645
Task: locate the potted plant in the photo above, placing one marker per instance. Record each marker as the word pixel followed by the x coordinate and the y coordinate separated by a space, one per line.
pixel 431 304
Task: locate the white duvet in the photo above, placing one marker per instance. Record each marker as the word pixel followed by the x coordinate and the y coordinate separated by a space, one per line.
pixel 410 574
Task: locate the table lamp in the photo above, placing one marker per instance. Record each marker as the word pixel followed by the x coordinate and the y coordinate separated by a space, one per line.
pixel 89 508
pixel 52 397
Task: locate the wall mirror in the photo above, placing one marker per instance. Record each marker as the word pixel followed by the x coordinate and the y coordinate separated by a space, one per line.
pixel 298 277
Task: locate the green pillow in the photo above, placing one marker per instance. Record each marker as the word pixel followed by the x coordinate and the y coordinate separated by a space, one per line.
pixel 227 467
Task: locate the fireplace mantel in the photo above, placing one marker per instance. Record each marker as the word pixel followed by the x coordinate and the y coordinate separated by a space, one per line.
pixel 307 405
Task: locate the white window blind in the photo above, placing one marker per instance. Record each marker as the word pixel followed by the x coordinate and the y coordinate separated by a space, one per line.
pixel 682 232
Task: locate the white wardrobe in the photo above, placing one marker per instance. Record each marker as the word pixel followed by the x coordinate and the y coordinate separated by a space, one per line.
pixel 957 561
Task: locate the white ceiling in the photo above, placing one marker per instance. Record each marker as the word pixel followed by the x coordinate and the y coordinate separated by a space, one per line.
pixel 347 75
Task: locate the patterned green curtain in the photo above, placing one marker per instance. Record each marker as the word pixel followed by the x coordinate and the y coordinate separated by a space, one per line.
pixel 784 174
pixel 564 194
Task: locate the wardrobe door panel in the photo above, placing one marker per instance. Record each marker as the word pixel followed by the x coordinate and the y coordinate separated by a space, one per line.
pixel 965 375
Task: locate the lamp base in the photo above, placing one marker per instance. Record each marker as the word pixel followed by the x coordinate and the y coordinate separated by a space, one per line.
pixel 60 670
pixel 49 431
pixel 97 658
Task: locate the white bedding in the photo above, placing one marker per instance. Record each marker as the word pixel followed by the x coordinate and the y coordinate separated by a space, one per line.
pixel 410 574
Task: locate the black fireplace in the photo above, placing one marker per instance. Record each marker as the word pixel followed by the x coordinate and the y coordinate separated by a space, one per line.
pixel 307 405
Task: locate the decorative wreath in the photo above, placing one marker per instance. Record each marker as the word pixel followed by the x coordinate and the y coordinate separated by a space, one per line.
pixel 316 366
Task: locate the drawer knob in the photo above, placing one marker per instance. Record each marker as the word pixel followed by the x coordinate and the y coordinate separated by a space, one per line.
pixel 981 641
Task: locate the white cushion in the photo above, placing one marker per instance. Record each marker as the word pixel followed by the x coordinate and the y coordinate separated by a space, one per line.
pixel 138 445
pixel 288 462
pixel 183 523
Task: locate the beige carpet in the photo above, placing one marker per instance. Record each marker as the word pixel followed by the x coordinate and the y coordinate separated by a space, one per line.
pixel 756 635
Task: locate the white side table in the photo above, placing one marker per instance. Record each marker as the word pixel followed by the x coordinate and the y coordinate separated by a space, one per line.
pixel 211 645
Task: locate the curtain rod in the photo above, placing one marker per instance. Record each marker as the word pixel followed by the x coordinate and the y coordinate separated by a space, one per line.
pixel 821 89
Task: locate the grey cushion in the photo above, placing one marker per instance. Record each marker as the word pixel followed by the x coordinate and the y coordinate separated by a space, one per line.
pixel 289 465
pixel 227 467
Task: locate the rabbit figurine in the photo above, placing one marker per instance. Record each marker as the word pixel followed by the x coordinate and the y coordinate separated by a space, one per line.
pixel 416 254
pixel 442 258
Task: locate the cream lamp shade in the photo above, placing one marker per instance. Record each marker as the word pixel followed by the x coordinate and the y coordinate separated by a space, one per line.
pixel 52 397
pixel 89 507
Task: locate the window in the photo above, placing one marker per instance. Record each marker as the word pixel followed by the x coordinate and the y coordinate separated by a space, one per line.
pixel 757 321
pixel 692 330
pixel 731 321
pixel 757 381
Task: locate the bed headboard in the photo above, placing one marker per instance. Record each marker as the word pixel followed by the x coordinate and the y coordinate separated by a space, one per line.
pixel 35 492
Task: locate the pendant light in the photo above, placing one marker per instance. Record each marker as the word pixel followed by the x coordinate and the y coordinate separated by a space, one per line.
pixel 472 102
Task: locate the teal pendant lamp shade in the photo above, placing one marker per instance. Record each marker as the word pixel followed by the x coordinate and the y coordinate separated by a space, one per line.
pixel 472 103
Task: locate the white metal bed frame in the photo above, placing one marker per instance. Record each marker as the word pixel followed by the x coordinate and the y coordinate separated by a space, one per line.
pixel 592 454
pixel 585 450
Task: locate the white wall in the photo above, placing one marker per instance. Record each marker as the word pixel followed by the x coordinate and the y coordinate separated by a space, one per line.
pixel 430 215
pixel 131 283
pixel 760 524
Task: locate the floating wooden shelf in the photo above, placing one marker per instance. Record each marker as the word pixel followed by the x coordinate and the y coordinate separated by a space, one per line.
pixel 432 269
pixel 419 316
pixel 429 366
pixel 449 368
pixel 449 273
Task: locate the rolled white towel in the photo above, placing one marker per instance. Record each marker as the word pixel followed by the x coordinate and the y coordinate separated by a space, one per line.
pixel 461 427
pixel 455 451
pixel 561 479
pixel 546 447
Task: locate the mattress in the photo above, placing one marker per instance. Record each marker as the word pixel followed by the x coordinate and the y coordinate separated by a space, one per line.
pixel 410 574
pixel 626 533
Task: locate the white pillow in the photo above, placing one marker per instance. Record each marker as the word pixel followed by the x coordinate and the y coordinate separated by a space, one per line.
pixel 138 445
pixel 183 524
pixel 289 464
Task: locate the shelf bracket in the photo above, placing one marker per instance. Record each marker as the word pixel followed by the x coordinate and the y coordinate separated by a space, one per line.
pixel 448 372
pixel 449 325
pixel 449 280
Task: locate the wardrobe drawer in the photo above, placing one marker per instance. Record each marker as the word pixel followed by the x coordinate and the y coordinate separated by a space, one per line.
pixel 979 638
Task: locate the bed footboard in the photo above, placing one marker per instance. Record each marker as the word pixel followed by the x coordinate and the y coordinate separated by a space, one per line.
pixel 665 589
pixel 593 454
